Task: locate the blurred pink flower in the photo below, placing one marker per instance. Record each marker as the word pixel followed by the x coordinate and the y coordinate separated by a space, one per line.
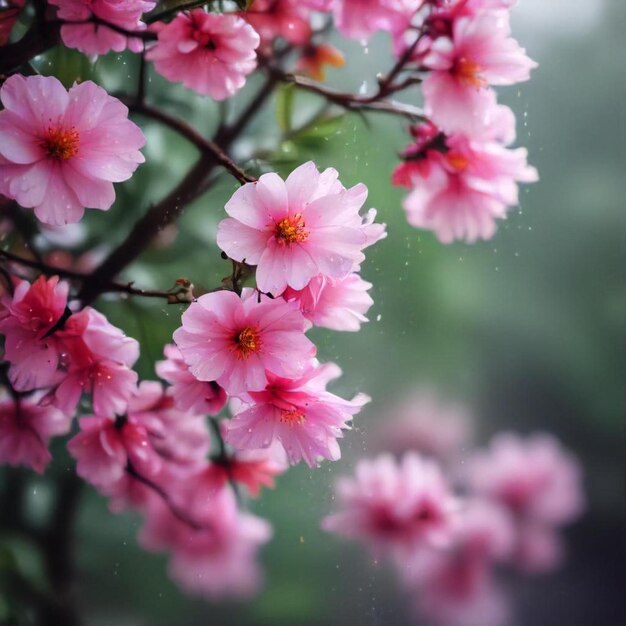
pixel 62 151
pixel 423 423
pixel 358 19
pixel 214 552
pixel 288 19
pixel 94 39
pixel 189 393
pixel 336 303
pixel 298 413
pixel 397 507
pixel 478 52
pixel 297 229
pixel 96 359
pixel 210 53
pixel 534 477
pixel 236 341
pixel 25 429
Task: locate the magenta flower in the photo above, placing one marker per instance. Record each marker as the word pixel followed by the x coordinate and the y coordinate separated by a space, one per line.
pixel 96 38
pixel 461 192
pixel 189 393
pixel 534 478
pixel 25 320
pixel 62 151
pixel 298 413
pixel 25 429
pixel 478 53
pixel 297 229
pixel 236 341
pixel 395 506
pixel 339 304
pixel 97 358
pixel 210 53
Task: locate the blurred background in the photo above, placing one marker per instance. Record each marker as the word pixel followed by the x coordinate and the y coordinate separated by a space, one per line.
pixel 525 330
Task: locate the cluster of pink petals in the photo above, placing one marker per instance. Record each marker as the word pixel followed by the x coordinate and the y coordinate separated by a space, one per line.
pixel 299 414
pixel 66 355
pixel 237 342
pixel 476 53
pixel 539 483
pixel 459 191
pixel 214 555
pixel 395 506
pixel 60 151
pixel 189 393
pixel 210 53
pixel 94 38
pixel 25 430
pixel 335 303
pixel 294 230
pixel 516 496
pixel 26 318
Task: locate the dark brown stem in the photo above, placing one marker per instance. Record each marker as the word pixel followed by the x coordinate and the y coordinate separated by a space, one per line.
pixel 41 37
pixel 206 146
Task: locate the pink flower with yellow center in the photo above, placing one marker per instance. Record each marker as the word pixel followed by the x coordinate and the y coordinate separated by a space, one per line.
pixel 236 341
pixel 60 151
pixel 299 228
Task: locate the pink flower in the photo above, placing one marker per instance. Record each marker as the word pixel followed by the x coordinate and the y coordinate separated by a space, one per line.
pixel 25 429
pixel 396 507
pixel 460 193
pixel 288 19
pixel 215 556
pixel 106 449
pixel 424 423
pixel 297 229
pixel 96 359
pixel 189 393
pixel 211 53
pixel 339 303
pixel 534 478
pixel 177 436
pixel 237 341
pixel 358 19
pixel 539 549
pixel 62 151
pixel 95 39
pixel 479 52
pixel 298 413
pixel 25 320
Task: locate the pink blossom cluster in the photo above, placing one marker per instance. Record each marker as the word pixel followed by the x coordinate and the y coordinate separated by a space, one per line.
pixel 460 172
pixel 86 24
pixel 447 527
pixel 305 236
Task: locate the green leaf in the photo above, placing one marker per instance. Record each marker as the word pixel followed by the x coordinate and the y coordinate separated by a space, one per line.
pixel 284 107
pixel 68 65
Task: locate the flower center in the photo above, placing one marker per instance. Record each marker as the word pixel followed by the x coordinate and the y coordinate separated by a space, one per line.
pixel 468 72
pixel 61 143
pixel 457 161
pixel 247 342
pixel 291 230
pixel 292 417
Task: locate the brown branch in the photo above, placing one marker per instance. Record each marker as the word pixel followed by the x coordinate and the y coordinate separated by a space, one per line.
pixel 50 270
pixel 355 102
pixel 41 37
pixel 206 146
